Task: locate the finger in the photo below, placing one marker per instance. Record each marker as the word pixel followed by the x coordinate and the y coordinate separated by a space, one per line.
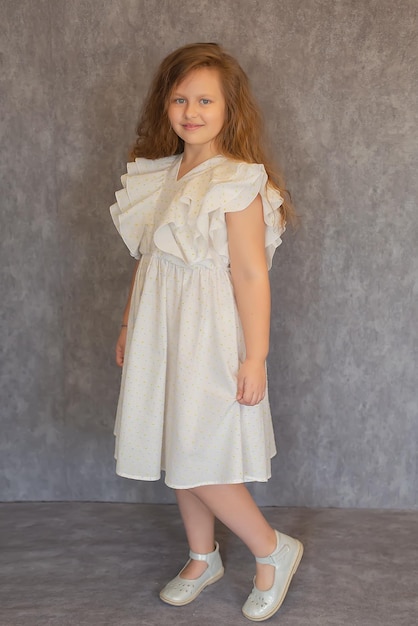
pixel 241 389
pixel 252 398
pixel 255 398
pixel 248 398
pixel 119 356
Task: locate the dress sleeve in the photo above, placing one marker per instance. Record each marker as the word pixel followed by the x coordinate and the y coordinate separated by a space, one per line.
pixel 233 189
pixel 137 200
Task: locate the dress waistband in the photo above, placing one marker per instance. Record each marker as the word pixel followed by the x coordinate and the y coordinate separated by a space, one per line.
pixel 171 258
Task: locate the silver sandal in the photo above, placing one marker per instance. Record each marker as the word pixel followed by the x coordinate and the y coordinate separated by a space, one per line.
pixel 261 605
pixel 181 591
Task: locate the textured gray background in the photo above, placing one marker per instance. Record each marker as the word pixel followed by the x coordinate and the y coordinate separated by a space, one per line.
pixel 337 81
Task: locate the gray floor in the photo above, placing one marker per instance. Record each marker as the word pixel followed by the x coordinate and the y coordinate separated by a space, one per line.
pixel 97 564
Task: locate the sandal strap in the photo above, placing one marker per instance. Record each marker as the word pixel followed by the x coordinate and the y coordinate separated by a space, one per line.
pixel 281 549
pixel 267 560
pixel 202 557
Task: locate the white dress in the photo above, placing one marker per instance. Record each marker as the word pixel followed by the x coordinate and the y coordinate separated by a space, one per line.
pixel 177 410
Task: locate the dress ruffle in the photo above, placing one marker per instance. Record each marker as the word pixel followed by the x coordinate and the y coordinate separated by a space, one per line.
pixel 191 228
pixel 234 187
pixel 136 202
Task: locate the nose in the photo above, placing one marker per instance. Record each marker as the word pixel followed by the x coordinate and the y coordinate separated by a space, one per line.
pixel 190 110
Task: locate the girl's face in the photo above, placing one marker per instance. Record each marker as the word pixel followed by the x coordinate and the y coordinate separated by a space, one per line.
pixel 197 110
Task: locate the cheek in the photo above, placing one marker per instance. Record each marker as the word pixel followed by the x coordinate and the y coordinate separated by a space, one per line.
pixel 221 118
pixel 172 115
pixel 222 114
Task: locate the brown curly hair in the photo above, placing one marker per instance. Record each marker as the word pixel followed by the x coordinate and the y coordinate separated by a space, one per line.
pixel 242 134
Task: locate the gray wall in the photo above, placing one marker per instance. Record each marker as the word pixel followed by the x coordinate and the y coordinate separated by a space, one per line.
pixel 337 81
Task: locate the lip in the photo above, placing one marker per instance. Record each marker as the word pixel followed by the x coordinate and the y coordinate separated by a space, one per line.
pixel 192 126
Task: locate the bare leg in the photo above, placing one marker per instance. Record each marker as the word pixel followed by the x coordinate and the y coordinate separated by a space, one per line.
pixel 235 507
pixel 199 523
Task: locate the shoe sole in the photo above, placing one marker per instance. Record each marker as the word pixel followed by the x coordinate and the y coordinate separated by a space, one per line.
pixel 282 597
pixel 210 581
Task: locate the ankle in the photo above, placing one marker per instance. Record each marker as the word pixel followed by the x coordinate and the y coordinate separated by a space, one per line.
pixel 205 550
pixel 269 546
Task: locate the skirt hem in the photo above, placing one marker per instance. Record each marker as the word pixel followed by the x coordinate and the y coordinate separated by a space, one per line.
pixel 234 481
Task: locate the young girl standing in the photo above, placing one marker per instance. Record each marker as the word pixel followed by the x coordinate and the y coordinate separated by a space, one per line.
pixel 203 215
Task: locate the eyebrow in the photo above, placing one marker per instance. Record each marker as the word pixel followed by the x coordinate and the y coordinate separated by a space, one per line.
pixel 203 95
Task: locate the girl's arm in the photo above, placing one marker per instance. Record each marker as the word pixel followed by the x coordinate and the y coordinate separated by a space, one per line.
pixel 121 342
pixel 246 237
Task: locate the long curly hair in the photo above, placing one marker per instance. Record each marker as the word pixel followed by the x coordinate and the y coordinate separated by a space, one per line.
pixel 242 135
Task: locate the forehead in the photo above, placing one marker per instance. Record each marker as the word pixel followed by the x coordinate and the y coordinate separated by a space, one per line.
pixel 201 80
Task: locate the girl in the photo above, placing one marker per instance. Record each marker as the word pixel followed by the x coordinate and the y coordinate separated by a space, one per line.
pixel 203 216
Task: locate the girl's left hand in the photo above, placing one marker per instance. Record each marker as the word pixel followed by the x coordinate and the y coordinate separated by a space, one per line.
pixel 251 382
pixel 120 347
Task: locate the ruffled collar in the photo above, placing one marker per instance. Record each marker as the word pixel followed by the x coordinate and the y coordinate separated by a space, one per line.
pixel 198 169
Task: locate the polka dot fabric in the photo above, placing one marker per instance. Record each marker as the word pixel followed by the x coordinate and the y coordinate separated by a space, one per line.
pixel 177 411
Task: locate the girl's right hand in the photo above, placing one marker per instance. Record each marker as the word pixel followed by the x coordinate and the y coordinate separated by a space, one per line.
pixel 120 347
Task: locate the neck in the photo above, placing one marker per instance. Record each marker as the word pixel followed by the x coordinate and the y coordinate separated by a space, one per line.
pixel 194 155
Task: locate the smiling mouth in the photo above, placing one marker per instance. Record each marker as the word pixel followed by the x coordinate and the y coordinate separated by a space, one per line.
pixel 192 126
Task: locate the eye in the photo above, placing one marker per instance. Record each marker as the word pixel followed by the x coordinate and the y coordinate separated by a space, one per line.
pixel 205 101
pixel 179 100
